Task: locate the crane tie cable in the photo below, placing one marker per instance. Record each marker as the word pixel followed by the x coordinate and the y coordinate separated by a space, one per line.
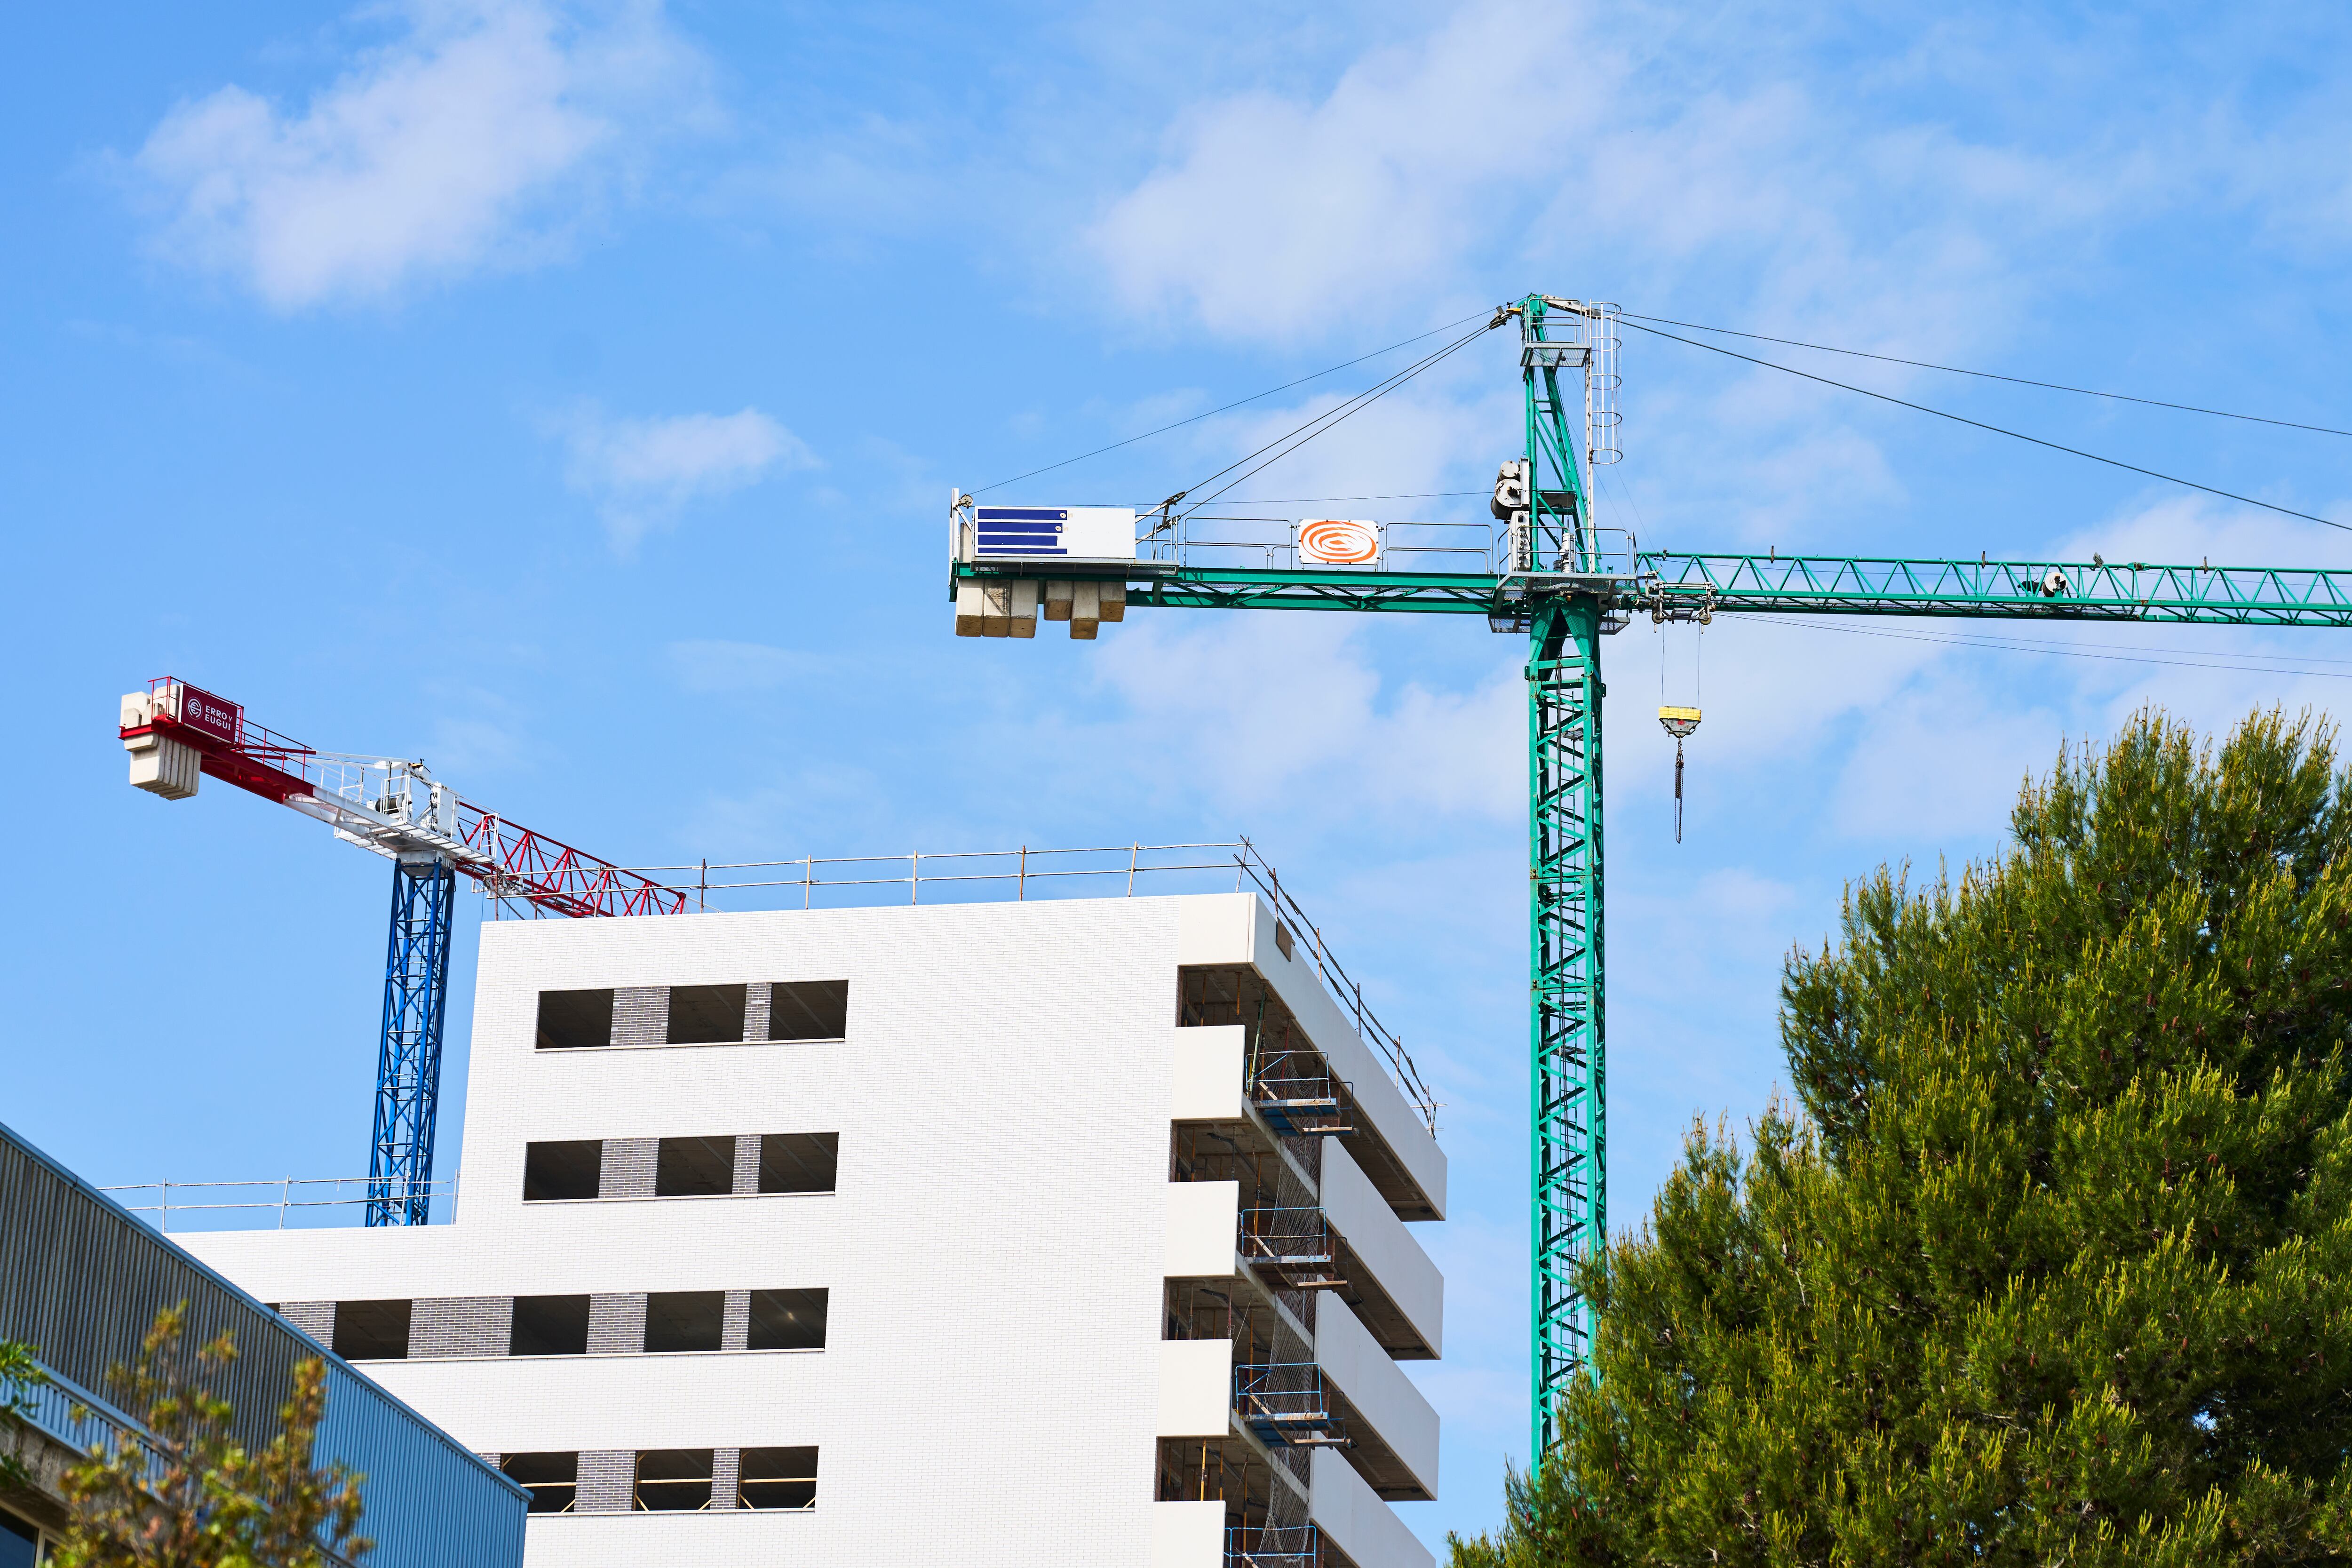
pixel 1998 430
pixel 2276 666
pixel 1987 374
pixel 1196 418
pixel 1322 424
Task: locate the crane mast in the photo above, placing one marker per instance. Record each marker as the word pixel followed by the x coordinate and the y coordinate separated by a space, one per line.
pixel 176 734
pixel 1558 572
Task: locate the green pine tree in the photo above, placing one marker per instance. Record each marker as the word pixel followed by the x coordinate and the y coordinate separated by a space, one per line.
pixel 2055 1266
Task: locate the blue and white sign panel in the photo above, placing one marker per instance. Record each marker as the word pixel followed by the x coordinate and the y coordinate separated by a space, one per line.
pixel 1054 534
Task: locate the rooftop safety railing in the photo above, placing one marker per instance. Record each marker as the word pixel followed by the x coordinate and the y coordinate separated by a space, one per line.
pixel 289 1202
pixel 1117 871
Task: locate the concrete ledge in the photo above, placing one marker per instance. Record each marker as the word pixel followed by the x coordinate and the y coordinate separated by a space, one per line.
pixel 1188 1535
pixel 1207 1083
pixel 1238 929
pixel 1378 1390
pixel 1204 1219
pixel 1358 1523
pixel 1196 1387
pixel 1382 1242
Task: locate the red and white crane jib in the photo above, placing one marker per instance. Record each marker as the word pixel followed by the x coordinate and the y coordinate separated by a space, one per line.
pixel 176 732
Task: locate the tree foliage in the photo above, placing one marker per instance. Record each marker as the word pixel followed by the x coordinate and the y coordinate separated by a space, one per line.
pixel 20 1373
pixel 2055 1266
pixel 184 1494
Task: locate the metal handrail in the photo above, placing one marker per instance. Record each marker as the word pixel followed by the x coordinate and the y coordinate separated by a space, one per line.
pixel 1015 869
pixel 1272 1546
pixel 1343 988
pixel 66 1413
pixel 1265 1232
pixel 286 1201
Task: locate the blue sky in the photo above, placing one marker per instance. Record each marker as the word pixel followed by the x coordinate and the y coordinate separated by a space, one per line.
pixel 570 396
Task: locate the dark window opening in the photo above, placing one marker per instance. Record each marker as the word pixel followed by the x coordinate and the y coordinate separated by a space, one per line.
pixel 808 1010
pixel 673 1480
pixel 787 1321
pixel 694 1167
pixel 706 1014
pixel 548 1325
pixel 685 1320
pixel 575 1020
pixel 799 1162
pixel 553 1479
pixel 555 1171
pixel 779 1478
pixel 371 1331
pixel 20 1544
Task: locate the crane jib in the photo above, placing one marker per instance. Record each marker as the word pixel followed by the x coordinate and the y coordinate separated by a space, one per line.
pixel 1828 584
pixel 176 734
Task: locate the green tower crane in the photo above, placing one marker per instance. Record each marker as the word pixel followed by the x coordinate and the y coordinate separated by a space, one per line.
pixel 1551 573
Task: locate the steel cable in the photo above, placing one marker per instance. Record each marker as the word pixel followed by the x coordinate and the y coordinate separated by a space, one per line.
pixel 1996 429
pixel 1293 439
pixel 1252 397
pixel 1989 375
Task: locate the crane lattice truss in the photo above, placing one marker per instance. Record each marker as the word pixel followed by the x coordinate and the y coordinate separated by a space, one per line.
pixel 176 734
pixel 1563 582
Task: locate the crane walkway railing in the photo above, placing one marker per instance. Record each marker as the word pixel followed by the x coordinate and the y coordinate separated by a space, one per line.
pixel 1117 871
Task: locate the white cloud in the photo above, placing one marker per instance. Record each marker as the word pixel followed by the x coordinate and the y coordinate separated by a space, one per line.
pixel 1271 715
pixel 474 140
pixel 1537 143
pixel 642 473
pixel 1268 210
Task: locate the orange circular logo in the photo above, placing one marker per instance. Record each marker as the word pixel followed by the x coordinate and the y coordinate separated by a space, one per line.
pixel 1338 541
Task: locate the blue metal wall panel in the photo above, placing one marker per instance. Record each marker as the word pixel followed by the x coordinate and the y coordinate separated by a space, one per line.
pixel 80 1281
pixel 427 1505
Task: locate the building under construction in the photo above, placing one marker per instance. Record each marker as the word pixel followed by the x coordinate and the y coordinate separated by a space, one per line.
pixel 977 1232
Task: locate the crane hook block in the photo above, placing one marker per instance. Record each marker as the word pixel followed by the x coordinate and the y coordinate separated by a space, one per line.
pixel 1678 721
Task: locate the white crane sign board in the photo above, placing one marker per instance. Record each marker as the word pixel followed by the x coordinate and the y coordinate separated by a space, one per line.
pixel 1052 533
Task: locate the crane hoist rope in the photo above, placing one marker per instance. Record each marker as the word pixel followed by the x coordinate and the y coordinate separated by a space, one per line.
pixel 1681 723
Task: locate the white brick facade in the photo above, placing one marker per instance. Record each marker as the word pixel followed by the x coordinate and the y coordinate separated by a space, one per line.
pixel 1003 1378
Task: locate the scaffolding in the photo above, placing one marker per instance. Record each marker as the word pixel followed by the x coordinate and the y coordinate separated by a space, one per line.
pixel 1284 1405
